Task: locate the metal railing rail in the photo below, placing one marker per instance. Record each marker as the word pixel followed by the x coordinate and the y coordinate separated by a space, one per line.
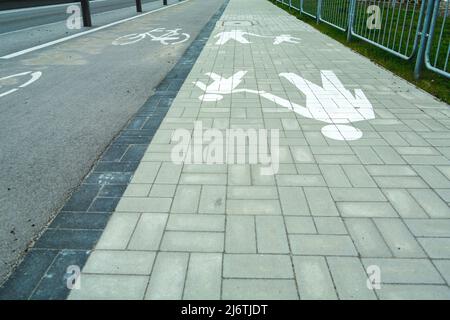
pixel 334 13
pixel 407 29
pixel 436 58
pixel 394 27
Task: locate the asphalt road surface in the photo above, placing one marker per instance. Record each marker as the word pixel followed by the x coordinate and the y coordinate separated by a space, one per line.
pixel 66 107
pixel 35 16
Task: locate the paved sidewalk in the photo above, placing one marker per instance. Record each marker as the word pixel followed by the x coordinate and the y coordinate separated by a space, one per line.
pixel 345 202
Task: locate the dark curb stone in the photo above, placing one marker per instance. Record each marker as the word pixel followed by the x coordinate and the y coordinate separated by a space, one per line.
pixel 79 225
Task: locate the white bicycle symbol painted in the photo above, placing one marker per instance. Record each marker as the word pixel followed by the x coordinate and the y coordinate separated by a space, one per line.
pixel 34 77
pixel 168 37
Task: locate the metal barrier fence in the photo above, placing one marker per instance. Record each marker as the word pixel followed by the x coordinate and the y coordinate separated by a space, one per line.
pixel 438 45
pixel 408 29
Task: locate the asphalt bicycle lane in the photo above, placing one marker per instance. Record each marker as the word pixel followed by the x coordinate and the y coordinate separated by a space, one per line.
pixel 61 106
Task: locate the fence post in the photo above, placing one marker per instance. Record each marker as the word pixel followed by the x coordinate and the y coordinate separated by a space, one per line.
pixel 319 10
pixel 165 2
pixel 86 12
pixel 139 5
pixel 351 18
pixel 423 39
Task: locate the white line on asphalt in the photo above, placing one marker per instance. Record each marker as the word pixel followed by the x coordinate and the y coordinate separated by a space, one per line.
pixel 51 43
pixel 43 7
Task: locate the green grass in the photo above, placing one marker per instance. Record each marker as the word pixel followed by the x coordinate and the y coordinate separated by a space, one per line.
pixel 431 82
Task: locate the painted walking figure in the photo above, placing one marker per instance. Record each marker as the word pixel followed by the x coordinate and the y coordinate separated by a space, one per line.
pixel 240 36
pixel 330 103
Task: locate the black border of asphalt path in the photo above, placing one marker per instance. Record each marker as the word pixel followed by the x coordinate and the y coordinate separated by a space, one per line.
pixel 76 229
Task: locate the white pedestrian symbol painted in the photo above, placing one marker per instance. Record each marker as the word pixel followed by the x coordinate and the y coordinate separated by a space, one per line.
pixel 331 103
pixel 285 38
pixel 221 86
pixel 34 77
pixel 241 37
pixel 162 35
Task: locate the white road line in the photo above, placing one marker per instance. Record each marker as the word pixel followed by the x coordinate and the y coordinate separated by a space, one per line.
pixel 51 43
pixel 43 7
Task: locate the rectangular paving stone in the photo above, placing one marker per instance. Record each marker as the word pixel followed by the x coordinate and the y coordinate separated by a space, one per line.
pixel 163 190
pixel 21 284
pixel 444 268
pixel 169 173
pixel 146 172
pixel 48 288
pixel 430 201
pixel 293 201
pixel 120 262
pixel 366 209
pixel 336 159
pixel 350 278
pixel 404 204
pixel 195 222
pixel 82 198
pixel 68 239
pixel 80 220
pixel 414 292
pixel 258 179
pixel 285 180
pixel 252 192
pixel 407 271
pixel 205 168
pixel 203 178
pixel 137 190
pixel 367 238
pixel 330 225
pixel 240 234
pixel 271 266
pixel 334 176
pixel 436 248
pixel 256 207
pixel 358 176
pixel 186 199
pixel 212 199
pixel 432 176
pixel 259 289
pixel 397 236
pixel 389 155
pixel 303 225
pixel 302 154
pixel 148 232
pixel 313 278
pixel 168 276
pixel 429 227
pixel 400 182
pixel 239 175
pixel 307 168
pixel 271 234
pixel 110 287
pixel 204 277
pixel 192 241
pixel 394 139
pixel 118 231
pixel 426 160
pixel 357 194
pixel 143 204
pixel 332 245
pixel 367 156
pixel 390 170
pixel 320 202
